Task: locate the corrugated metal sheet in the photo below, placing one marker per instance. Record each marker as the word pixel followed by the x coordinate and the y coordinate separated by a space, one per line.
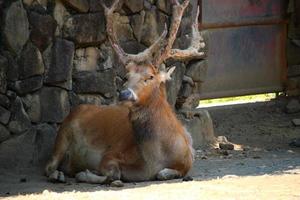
pixel 246 47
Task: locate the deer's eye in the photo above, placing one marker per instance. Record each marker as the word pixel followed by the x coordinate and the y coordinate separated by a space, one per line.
pixel 149 78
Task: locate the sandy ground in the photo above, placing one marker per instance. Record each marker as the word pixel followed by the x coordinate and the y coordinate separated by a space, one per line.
pixel 265 167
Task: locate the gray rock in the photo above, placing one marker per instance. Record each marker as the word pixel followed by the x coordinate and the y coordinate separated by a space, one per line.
pixel 117 183
pixel 32 104
pixel 294 71
pixel 4 133
pixel 87 99
pixel 122 28
pixel 296 122
pixel 3 74
pixel 95 5
pixel 28 85
pixel 19 121
pixel 293 106
pixel 153 26
pixel 54 104
pixel 4 101
pixel 30 62
pixel 85 29
pixel 293 52
pixel 134 5
pixel 42 29
pixel 13 68
pixel 86 59
pixel 59 62
pixel 11 95
pixel 137 22
pixel 91 82
pixel 18 151
pixel 226 146
pixel 60 15
pixel 45 140
pixel 199 125
pixel 173 86
pixel 16 29
pixel 78 5
pixel 4 115
pixel 197 70
pixel 165 6
pixel 107 56
pixel 295 142
pixel 132 46
pixel 185 91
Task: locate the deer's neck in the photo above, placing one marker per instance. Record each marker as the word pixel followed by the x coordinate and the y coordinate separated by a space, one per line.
pixel 151 120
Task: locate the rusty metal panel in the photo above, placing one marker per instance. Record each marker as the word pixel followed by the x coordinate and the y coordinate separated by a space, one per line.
pixel 234 12
pixel 245 60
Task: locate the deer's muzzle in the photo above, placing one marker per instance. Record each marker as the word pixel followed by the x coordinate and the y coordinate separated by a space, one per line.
pixel 127 95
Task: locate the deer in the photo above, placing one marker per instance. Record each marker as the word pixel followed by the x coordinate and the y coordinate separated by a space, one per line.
pixel 140 137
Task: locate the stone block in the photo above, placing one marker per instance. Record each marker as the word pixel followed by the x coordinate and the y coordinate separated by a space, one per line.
pixel 32 104
pixel 91 82
pixel 87 99
pixel 4 115
pixel 44 142
pixel 86 59
pixel 165 6
pixel 3 74
pixel 13 68
pixel 78 5
pixel 16 28
pixel 154 25
pixel 122 28
pixel 60 15
pixel 59 61
pixel 294 71
pixel 54 104
pixel 4 134
pixel 27 85
pixel 19 121
pixel 42 29
pixel 293 106
pixel 30 62
pixel 173 85
pixel 197 70
pixel 134 5
pixel 199 125
pixel 18 152
pixel 85 29
pixel 296 122
pixel 4 101
pixel 293 52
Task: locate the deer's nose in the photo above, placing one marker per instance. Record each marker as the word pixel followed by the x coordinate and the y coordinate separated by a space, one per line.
pixel 127 95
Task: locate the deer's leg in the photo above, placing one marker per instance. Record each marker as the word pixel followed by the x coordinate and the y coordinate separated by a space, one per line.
pixel 168 174
pixel 176 170
pixel 109 167
pixel 60 148
pixel 89 177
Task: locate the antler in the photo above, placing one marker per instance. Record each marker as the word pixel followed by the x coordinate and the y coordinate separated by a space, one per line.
pixel 144 56
pixel 167 52
pixel 196 42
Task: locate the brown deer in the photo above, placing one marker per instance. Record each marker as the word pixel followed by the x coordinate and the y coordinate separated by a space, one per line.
pixel 139 139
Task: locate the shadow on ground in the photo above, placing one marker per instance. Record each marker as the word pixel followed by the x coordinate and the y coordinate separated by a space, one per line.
pixel 263 129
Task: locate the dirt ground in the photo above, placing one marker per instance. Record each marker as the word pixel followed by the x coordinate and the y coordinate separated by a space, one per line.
pixel 264 167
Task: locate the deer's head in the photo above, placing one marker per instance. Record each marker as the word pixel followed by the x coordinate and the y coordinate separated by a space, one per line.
pixel 144 75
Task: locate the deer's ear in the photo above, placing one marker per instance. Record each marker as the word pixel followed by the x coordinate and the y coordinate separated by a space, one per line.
pixel 165 76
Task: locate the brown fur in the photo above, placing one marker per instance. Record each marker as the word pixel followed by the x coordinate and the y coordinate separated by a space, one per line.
pixel 130 143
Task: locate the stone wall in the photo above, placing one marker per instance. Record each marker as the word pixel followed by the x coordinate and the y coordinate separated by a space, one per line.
pixel 55 55
pixel 293 49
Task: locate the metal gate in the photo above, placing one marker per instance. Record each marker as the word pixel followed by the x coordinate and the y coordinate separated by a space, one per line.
pixel 246 46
